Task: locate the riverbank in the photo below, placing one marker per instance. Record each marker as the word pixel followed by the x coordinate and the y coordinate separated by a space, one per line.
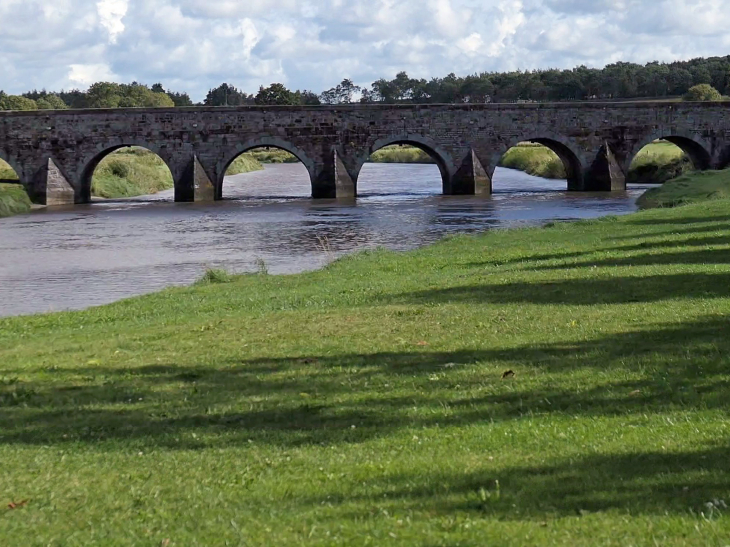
pixel 13 200
pixel 693 187
pixel 566 385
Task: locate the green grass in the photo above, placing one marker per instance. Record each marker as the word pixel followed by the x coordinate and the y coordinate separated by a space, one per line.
pixel 13 200
pixel 364 404
pixel 401 154
pixel 130 172
pixel 693 187
pixel 7 172
pixel 245 163
pixel 272 155
pixel 659 162
pixel 534 159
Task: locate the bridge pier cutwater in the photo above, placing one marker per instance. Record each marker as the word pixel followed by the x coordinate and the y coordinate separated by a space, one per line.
pixel 55 153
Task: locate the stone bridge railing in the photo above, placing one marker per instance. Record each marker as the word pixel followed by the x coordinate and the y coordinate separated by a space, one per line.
pixel 55 153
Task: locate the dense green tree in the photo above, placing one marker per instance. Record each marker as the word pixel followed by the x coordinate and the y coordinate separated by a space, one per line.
pixel 276 94
pixel 17 102
pixel 51 101
pixel 342 94
pixel 703 92
pixel 227 95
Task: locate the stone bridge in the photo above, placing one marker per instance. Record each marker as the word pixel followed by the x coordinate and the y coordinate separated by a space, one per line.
pixel 55 153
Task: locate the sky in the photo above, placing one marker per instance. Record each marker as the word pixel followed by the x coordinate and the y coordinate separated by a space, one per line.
pixel 194 45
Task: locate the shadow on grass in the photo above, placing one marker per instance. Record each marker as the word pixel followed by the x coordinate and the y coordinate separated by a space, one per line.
pixel 688 482
pixel 708 256
pixel 307 400
pixel 583 292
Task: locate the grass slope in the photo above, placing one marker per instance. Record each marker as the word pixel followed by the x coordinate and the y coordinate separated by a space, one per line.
pixel 534 159
pixel 245 163
pixel 689 188
pixel 13 200
pixel 7 172
pixel 364 403
pixel 659 162
pixel 130 172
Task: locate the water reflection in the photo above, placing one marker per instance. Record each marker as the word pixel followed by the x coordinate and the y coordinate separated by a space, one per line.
pixel 87 255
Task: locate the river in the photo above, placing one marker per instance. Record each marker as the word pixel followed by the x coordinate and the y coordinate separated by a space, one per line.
pixel 87 255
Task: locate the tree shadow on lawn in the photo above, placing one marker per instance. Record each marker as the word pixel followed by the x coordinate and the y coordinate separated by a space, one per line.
pixel 580 292
pixel 650 482
pixel 310 400
pixel 672 258
pixel 704 257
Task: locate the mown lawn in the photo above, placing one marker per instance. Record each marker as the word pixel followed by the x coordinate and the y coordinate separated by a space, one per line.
pixel 364 404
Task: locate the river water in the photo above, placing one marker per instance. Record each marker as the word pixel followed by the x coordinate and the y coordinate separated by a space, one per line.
pixel 87 255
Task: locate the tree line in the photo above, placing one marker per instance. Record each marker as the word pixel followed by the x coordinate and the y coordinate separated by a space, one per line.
pixel 615 81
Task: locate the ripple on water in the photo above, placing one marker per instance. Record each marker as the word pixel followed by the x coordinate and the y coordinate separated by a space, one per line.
pixel 87 255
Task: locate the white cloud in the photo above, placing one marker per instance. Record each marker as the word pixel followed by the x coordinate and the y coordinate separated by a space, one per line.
pixel 86 75
pixel 111 13
pixel 193 45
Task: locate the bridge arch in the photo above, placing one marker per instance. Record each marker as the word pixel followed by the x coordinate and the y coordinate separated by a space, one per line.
pixel 440 156
pixel 569 153
pixel 263 142
pixel 90 165
pixel 694 147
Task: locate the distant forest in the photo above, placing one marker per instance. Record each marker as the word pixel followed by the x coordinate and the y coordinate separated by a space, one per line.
pixel 616 81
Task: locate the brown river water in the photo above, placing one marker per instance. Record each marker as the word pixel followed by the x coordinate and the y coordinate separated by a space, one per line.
pixel 87 255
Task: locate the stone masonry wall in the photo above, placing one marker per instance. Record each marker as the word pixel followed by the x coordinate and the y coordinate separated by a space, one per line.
pixel 597 141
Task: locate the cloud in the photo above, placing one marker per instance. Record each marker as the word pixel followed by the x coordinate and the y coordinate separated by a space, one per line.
pixel 111 13
pixel 193 45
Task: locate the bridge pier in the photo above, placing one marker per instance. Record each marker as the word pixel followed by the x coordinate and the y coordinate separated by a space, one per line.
pixel 194 184
pixel 331 179
pixel 49 186
pixel 604 175
pixel 471 178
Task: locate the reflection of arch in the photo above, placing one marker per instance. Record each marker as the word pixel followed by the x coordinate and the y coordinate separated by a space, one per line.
pixel 439 155
pixel 562 147
pixel 695 148
pixel 265 142
pixel 91 165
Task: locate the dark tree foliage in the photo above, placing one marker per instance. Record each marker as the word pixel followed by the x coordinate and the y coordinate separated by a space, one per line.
pixel 227 95
pixel 617 81
pixel 277 94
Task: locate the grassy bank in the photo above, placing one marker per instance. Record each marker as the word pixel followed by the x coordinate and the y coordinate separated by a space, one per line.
pixel 534 159
pixel 245 163
pixel 13 200
pixel 369 403
pixel 130 172
pixel 689 188
pixel 400 154
pixel 659 162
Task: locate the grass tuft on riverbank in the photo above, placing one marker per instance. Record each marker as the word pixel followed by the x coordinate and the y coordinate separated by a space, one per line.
pixel 13 200
pixel 564 385
pixel 693 187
